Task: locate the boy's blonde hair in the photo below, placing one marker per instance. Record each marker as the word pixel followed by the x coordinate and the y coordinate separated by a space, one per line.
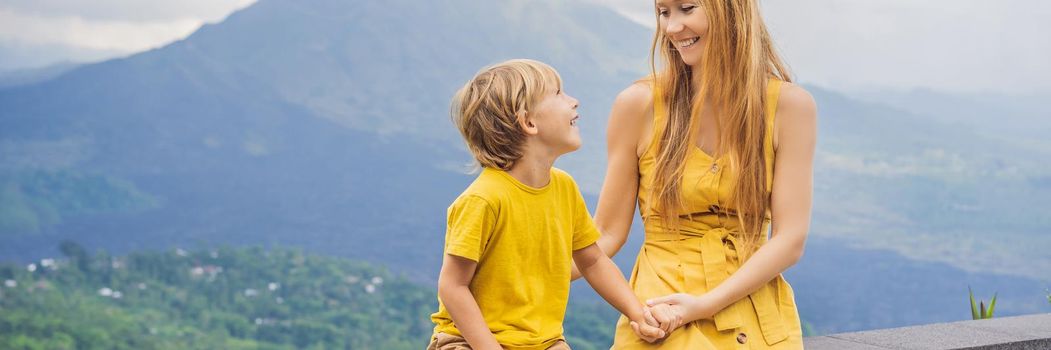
pixel 487 110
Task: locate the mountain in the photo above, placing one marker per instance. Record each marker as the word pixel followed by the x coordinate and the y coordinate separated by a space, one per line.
pixel 1022 117
pixel 312 124
pixel 35 75
pixel 933 191
pixel 843 288
pixel 324 125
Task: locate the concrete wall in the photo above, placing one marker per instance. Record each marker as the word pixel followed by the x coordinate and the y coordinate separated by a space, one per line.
pixel 1020 332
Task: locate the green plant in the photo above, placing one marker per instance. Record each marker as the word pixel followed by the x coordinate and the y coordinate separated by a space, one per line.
pixel 979 311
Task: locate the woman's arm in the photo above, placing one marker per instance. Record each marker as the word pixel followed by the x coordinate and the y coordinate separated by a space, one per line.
pixel 628 119
pixel 790 206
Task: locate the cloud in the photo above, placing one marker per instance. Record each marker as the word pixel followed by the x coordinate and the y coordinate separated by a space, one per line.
pixel 35 33
pixel 17 56
pixel 129 10
pixel 946 45
pixel 76 31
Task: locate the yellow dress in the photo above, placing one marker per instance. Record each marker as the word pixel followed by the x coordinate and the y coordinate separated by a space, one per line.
pixel 703 254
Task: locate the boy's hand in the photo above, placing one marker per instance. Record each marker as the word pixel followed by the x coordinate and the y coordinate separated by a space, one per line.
pixel 647 332
pixel 669 317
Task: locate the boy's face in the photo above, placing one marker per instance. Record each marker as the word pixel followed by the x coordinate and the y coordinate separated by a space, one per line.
pixel 555 117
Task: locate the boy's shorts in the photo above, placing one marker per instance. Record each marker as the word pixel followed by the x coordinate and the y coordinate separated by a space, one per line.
pixel 443 341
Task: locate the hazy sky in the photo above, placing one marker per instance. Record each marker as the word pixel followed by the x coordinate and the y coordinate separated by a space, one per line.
pixel 950 45
pixel 36 33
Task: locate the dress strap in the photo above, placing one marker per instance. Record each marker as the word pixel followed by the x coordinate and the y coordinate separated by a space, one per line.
pixel 660 115
pixel 773 92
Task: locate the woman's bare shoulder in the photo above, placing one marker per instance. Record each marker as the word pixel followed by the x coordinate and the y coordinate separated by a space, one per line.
pixel 796 114
pixel 795 103
pixel 631 119
pixel 634 104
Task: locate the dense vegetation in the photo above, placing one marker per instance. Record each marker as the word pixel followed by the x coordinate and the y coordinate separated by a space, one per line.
pixel 226 299
pixel 34 199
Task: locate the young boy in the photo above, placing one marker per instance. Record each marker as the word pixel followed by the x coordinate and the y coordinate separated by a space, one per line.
pixel 514 233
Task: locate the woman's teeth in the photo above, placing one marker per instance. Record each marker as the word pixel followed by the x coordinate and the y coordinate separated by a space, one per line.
pixel 686 43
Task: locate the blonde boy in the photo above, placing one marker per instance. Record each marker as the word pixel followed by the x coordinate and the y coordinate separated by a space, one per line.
pixel 514 234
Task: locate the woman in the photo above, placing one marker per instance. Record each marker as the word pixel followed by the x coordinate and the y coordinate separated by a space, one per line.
pixel 714 148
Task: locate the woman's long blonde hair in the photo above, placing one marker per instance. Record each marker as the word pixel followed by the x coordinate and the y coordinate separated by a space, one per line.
pixel 738 60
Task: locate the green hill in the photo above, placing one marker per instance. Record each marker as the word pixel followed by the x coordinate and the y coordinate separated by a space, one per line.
pixel 243 298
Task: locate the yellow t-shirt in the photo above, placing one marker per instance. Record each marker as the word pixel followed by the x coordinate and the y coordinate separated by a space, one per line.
pixel 523 239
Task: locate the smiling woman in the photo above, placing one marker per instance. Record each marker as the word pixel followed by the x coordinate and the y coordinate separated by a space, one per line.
pixel 695 146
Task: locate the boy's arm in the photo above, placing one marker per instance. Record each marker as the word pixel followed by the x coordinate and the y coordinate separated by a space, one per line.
pixel 453 282
pixel 606 279
pixel 632 111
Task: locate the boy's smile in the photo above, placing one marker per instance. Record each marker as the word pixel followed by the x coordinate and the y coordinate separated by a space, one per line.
pixel 556 117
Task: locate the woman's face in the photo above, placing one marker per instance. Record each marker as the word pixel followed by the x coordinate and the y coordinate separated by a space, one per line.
pixel 686 25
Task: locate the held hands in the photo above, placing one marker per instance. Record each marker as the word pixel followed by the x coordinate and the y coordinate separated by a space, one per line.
pixel 658 321
pixel 668 317
pixel 649 330
pixel 668 313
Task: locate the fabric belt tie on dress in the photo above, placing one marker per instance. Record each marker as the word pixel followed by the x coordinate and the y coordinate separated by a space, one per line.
pixel 713 259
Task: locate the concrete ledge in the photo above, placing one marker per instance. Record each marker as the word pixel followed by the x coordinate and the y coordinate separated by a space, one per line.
pixel 1020 332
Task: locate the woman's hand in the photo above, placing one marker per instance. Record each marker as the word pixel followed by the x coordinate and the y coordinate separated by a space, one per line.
pixel 668 317
pixel 681 308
